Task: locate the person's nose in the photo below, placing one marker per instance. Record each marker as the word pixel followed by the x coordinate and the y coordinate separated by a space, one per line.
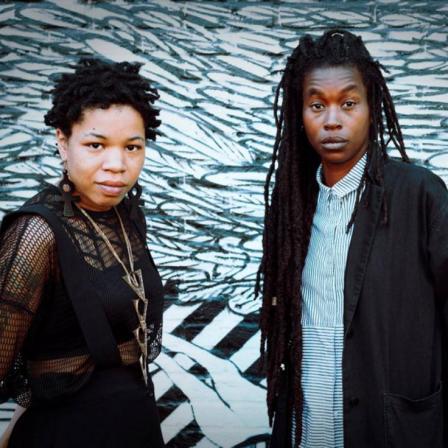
pixel 332 119
pixel 114 160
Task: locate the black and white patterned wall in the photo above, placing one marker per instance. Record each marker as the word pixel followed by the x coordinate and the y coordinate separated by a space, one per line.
pixel 216 65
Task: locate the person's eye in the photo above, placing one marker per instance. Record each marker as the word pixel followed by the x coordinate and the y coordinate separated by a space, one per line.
pixel 349 104
pixel 133 148
pixel 95 145
pixel 317 107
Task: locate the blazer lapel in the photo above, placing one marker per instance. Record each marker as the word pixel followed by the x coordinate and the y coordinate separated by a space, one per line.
pixel 360 246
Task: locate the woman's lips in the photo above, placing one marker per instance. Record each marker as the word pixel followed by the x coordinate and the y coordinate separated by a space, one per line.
pixel 112 189
pixel 333 143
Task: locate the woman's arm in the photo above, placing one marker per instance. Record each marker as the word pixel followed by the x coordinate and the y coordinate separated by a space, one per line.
pixel 27 250
pixel 4 439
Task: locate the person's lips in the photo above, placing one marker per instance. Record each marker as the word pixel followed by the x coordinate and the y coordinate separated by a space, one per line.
pixel 112 188
pixel 334 142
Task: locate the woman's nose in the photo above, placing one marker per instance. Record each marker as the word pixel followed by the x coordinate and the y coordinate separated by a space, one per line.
pixel 332 119
pixel 114 160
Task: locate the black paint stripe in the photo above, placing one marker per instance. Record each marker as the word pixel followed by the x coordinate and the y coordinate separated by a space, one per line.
pixel 254 374
pixel 188 436
pixel 237 337
pixel 192 325
pixel 169 401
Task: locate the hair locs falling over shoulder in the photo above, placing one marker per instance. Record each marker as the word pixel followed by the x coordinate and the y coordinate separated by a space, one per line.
pixel 290 210
pixel 97 83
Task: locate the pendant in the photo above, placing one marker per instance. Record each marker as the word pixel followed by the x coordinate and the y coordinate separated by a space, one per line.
pixel 135 282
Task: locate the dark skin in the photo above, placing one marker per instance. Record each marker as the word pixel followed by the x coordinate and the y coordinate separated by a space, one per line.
pixel 336 118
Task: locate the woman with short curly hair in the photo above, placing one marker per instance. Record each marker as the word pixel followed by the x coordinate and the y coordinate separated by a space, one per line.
pixel 80 296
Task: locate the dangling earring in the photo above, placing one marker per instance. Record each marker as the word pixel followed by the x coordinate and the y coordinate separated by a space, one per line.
pixel 67 187
pixel 135 200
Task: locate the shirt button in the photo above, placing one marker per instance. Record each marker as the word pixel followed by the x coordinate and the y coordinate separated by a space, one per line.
pixel 354 401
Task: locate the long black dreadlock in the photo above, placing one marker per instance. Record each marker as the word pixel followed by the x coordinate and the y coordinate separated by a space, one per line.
pixel 289 215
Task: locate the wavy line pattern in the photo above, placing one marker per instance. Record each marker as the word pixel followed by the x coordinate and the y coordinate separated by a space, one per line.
pixel 216 65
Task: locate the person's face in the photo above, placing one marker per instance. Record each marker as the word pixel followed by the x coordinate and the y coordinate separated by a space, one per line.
pixel 336 118
pixel 104 154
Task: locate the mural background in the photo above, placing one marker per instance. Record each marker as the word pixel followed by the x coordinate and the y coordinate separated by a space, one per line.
pixel 216 65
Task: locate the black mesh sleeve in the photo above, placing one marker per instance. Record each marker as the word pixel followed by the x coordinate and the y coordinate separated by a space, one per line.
pixel 26 251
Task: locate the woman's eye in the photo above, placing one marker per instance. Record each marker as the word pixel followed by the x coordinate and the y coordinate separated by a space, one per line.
pixel 95 145
pixel 317 106
pixel 349 104
pixel 133 148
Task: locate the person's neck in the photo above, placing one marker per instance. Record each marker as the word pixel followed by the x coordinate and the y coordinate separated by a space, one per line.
pixel 332 173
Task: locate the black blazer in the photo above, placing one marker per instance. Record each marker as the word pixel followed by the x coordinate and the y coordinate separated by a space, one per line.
pixel 395 318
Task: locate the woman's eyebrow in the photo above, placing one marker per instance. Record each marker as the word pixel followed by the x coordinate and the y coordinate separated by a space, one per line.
pixel 100 136
pixel 350 87
pixel 94 134
pixel 316 91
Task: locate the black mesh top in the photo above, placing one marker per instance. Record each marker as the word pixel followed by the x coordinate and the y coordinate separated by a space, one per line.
pixel 43 354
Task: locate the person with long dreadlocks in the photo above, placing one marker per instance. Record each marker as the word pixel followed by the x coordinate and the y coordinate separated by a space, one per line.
pixel 355 263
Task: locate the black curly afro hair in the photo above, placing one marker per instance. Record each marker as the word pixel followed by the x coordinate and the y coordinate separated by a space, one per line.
pixel 99 84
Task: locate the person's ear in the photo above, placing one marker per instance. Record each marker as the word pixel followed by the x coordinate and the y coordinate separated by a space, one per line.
pixel 62 142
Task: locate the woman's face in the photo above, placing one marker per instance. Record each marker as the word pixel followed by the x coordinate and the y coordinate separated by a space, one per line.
pixel 336 117
pixel 104 154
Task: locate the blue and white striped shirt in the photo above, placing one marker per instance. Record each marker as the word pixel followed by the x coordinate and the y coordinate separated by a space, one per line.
pixel 323 311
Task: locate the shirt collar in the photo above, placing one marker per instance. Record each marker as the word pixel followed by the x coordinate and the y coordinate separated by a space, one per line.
pixel 350 182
